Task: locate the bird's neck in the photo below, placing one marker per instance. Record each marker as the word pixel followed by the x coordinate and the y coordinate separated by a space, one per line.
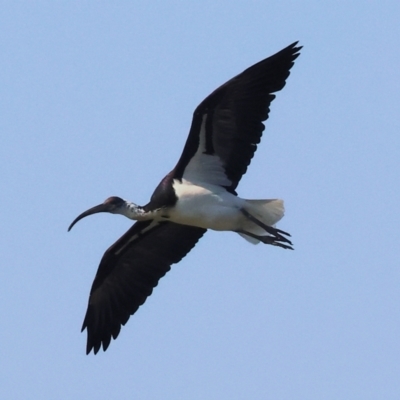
pixel 133 211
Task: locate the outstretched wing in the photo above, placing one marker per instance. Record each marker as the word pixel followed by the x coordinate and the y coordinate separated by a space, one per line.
pixel 227 125
pixel 128 272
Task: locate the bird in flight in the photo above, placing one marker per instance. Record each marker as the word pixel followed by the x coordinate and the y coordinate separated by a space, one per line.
pixel 198 194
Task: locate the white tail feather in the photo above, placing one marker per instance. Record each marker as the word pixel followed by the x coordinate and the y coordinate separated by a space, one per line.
pixel 269 212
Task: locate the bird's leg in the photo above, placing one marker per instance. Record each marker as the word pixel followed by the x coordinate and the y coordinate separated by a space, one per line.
pixel 269 229
pixel 267 240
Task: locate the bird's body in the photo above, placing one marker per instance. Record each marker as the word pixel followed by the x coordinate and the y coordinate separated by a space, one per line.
pixel 198 194
pixel 206 206
pixel 213 207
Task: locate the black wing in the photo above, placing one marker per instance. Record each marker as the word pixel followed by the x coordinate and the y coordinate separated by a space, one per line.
pixel 227 125
pixel 128 272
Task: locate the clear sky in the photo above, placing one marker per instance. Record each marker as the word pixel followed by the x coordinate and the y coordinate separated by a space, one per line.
pixel 96 100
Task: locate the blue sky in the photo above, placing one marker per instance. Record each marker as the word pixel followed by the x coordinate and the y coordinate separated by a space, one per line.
pixel 97 100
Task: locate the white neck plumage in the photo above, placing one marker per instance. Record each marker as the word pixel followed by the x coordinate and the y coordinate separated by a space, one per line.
pixel 132 211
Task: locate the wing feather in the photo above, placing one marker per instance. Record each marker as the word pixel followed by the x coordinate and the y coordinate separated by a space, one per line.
pixel 228 124
pixel 128 272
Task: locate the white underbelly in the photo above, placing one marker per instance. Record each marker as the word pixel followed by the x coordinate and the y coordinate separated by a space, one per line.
pixel 210 207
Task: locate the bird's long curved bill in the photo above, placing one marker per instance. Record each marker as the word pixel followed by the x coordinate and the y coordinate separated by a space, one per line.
pixel 94 210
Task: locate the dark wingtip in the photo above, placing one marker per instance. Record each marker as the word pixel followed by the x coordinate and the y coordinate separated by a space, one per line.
pixel 294 46
pixel 294 49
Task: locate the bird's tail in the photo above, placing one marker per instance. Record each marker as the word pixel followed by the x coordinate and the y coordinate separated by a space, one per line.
pixel 269 212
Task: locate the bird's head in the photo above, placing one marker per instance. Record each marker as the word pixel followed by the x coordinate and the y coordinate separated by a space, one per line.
pixel 113 205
